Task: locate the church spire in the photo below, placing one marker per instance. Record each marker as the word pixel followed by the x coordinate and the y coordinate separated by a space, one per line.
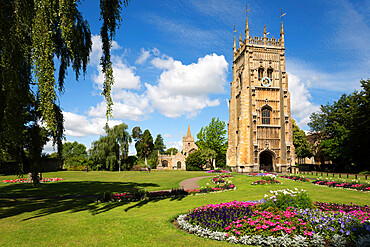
pixel 188 135
pixel 240 39
pixel 264 35
pixel 282 41
pixel 246 24
pixel 234 46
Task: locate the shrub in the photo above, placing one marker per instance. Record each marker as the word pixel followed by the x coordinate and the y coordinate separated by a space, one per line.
pixel 285 198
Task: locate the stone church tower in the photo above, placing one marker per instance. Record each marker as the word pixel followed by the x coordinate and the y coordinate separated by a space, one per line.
pixel 260 126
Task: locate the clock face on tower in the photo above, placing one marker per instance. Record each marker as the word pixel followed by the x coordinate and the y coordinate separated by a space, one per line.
pixel 266 82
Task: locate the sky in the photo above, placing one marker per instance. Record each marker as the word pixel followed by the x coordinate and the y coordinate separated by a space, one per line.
pixel 172 62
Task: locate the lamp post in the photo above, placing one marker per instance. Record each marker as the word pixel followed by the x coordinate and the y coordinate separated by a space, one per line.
pixel 119 160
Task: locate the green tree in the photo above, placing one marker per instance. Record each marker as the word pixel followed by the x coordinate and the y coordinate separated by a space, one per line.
pixel 145 146
pixel 105 151
pixel 173 150
pixel 121 136
pixel 343 130
pixel 300 142
pixel 195 161
pixel 214 137
pixel 71 149
pixel 159 144
pixel 208 156
pixel 33 35
pixel 74 154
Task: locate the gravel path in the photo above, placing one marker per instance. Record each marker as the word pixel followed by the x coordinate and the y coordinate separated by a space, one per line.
pixel 191 183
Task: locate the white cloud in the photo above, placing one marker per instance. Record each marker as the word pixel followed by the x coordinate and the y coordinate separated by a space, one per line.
pixel 145 54
pixel 301 106
pixel 49 148
pixel 127 105
pixel 176 144
pixel 79 125
pixel 184 89
pixel 96 50
pixel 164 62
pixel 124 77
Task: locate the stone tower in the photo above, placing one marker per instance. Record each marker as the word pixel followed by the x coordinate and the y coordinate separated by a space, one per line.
pixel 188 144
pixel 260 126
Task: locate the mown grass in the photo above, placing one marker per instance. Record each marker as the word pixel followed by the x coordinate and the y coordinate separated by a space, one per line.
pixel 82 222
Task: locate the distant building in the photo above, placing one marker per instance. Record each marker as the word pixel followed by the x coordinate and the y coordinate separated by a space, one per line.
pixel 318 162
pixel 177 161
pixel 260 133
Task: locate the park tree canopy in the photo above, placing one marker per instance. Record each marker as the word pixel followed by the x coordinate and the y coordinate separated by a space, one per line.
pixel 159 144
pixel 33 34
pixel 214 137
pixel 105 152
pixel 343 129
pixel 300 142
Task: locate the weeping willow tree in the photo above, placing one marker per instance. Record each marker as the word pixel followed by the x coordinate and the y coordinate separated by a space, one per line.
pixel 33 35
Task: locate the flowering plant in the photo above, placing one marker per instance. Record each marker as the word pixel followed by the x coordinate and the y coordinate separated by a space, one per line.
pixel 24 180
pixel 296 178
pixel 220 183
pixel 218 171
pixel 261 174
pixel 287 198
pixel 354 184
pixel 246 223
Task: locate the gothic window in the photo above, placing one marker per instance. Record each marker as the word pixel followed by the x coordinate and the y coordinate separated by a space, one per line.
pixel 165 163
pixel 269 73
pixel 179 165
pixel 260 73
pixel 266 115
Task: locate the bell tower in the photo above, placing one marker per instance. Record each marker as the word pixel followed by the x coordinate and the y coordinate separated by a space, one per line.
pixel 260 126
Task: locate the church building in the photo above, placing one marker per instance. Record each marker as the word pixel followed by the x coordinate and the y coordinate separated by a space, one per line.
pixel 177 161
pixel 260 126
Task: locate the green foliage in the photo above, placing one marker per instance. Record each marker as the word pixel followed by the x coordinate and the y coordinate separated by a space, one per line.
pixel 214 137
pixel 173 150
pixel 159 144
pixel 33 35
pixel 105 152
pixel 302 146
pixel 208 156
pixel 144 143
pixel 282 199
pixel 343 130
pixel 194 161
pixel 74 156
pixel 129 162
pixel 153 159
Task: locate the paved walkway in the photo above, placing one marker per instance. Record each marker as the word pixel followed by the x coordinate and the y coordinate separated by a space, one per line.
pixel 191 183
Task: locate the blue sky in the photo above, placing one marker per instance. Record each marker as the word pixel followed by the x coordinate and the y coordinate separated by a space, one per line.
pixel 172 62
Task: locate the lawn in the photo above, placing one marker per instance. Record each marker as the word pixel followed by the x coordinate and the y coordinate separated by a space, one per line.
pixel 76 220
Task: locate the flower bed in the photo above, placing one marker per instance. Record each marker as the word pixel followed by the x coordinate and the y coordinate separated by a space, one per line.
pixel 268 179
pixel 259 223
pixel 24 180
pixel 264 182
pixel 217 171
pixel 354 184
pixel 220 184
pixel 261 174
pixel 296 178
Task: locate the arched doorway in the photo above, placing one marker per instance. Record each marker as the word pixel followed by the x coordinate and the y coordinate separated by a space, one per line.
pixel 266 162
